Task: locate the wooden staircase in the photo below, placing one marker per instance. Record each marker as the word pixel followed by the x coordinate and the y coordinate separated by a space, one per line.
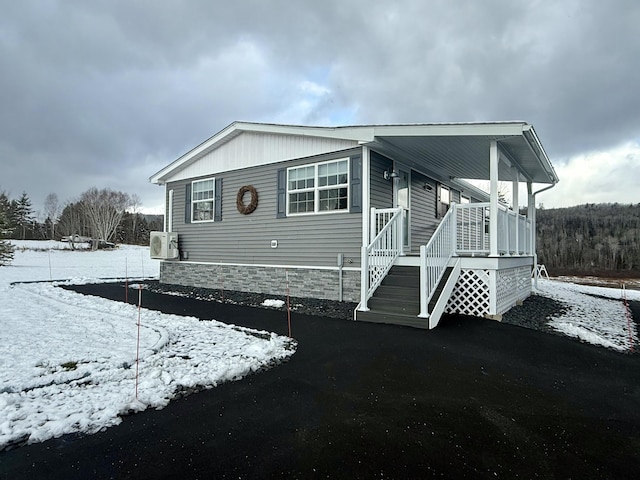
pixel 397 299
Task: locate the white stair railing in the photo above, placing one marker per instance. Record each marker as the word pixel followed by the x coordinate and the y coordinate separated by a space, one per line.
pixel 378 257
pixel 435 257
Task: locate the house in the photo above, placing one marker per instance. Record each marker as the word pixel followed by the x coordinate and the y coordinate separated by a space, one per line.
pixel 374 214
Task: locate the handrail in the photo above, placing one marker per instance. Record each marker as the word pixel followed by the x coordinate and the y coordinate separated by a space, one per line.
pixel 378 257
pixel 473 234
pixel 435 256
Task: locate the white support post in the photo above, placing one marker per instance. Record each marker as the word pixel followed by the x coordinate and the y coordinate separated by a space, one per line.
pixel 364 280
pixel 454 228
pixel 493 292
pixel 531 213
pixel 493 201
pixel 366 226
pixel 366 176
pixel 424 308
pixel 168 223
pixel 516 207
pixel 532 206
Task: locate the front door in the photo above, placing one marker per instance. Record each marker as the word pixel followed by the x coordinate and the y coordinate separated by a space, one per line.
pixel 402 199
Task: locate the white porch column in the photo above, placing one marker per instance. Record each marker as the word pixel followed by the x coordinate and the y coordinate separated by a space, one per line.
pixel 531 205
pixel 515 186
pixel 168 218
pixel 366 204
pixel 493 201
pixel 366 182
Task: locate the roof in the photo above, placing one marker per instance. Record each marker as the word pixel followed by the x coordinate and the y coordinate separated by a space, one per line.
pixel 443 150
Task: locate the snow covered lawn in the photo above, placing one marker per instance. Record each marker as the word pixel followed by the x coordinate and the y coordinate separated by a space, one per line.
pixel 595 315
pixel 67 362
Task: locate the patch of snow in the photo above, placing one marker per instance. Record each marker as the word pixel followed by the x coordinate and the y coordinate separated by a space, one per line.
pixel 68 362
pixel 273 303
pixel 595 315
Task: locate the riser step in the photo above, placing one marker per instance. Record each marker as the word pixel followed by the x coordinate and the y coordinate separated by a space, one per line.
pixel 396 307
pixel 401 281
pixel 404 320
pixel 390 290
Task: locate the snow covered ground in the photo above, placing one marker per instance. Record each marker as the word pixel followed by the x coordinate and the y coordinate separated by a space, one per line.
pixel 68 362
pixel 595 315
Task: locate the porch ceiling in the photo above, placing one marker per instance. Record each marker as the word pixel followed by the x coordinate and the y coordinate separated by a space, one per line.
pixel 463 152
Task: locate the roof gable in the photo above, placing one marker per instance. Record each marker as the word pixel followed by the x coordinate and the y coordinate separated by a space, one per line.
pixel 456 149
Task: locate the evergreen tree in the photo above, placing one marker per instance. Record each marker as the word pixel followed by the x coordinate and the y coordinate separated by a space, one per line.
pixel 23 214
pixel 6 249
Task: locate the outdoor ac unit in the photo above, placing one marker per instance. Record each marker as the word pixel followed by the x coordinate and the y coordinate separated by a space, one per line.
pixel 163 245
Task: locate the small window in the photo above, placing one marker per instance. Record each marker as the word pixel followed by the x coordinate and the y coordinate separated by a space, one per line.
pixel 443 200
pixel 464 199
pixel 202 200
pixel 322 187
pixel 445 195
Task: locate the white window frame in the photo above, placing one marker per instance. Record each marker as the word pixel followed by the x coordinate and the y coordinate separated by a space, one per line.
pixel 447 201
pixel 316 189
pixel 212 199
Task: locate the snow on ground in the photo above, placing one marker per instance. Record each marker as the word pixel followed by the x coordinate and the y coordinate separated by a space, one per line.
pixel 592 318
pixel 68 361
pixel 269 302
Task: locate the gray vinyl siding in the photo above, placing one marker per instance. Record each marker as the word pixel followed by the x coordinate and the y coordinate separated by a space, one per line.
pixel 423 210
pixel 381 190
pixel 312 240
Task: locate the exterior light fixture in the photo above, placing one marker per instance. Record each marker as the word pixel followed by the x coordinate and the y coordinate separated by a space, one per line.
pixel 390 175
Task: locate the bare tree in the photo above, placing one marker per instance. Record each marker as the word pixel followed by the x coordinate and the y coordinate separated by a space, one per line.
pixel 134 206
pixel 52 211
pixel 72 222
pixel 104 209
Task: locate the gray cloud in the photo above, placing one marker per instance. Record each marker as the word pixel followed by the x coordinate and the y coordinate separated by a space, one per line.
pixel 106 93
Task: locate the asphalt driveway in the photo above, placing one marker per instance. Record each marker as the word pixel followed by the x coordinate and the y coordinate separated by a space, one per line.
pixel 472 398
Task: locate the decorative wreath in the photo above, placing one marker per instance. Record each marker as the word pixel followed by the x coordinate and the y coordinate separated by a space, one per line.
pixel 247 209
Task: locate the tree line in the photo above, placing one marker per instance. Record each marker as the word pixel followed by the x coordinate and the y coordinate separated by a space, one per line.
pixel 590 239
pixel 103 215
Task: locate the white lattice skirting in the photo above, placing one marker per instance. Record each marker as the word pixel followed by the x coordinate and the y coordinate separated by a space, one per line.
pixel 472 293
pixel 512 285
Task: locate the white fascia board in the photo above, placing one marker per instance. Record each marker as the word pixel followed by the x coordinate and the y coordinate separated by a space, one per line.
pixel 542 155
pixel 362 134
pixel 185 159
pixel 494 129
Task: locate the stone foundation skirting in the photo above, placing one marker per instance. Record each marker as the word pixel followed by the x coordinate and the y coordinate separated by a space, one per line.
pixel 303 282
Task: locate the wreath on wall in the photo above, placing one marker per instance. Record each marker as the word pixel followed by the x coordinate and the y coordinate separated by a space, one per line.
pixel 247 209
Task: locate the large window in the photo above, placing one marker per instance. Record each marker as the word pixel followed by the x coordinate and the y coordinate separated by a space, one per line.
pixel 322 187
pixel 202 198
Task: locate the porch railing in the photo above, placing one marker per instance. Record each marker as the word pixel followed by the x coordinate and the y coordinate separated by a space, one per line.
pixel 435 257
pixel 472 230
pixel 379 256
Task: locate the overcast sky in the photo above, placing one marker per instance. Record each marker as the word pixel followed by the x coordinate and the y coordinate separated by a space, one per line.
pixel 106 93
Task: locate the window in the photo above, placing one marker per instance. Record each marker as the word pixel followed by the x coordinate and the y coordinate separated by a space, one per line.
pixel 443 200
pixel 445 195
pixel 464 199
pixel 322 187
pixel 202 199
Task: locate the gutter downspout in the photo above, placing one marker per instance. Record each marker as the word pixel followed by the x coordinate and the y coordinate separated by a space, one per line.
pixel 535 236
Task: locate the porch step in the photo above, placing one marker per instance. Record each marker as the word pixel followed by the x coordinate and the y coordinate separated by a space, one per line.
pixel 397 299
pixel 393 319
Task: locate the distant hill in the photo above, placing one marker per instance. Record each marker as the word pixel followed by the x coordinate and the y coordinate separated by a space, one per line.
pixel 591 239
